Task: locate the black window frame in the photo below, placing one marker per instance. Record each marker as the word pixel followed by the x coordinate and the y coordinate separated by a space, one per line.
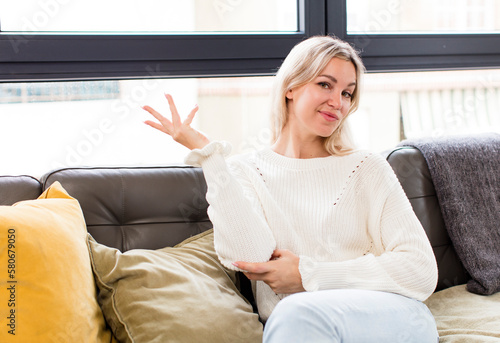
pixel 414 52
pixel 55 57
pixel 45 57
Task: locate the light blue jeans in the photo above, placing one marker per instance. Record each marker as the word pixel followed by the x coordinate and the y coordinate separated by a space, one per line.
pixel 350 316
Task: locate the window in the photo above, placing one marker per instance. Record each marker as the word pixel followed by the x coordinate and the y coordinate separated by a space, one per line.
pixel 396 106
pixel 45 128
pixel 149 16
pixel 403 35
pixel 71 89
pixel 425 16
pixel 205 47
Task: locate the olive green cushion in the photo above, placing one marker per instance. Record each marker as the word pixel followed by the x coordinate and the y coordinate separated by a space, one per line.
pixel 179 294
pixel 462 316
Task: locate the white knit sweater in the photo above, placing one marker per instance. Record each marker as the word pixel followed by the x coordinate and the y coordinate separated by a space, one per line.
pixel 346 217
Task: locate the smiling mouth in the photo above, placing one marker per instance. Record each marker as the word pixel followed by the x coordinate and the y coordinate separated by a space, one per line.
pixel 329 116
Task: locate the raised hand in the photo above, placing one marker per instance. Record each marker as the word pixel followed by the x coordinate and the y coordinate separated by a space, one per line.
pixel 181 132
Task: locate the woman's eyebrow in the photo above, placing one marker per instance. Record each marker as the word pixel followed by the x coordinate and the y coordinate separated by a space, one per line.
pixel 334 80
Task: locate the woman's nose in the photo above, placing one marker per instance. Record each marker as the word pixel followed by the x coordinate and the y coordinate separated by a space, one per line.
pixel 335 100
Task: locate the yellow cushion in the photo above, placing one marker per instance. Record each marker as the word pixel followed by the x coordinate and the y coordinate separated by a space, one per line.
pixel 179 294
pixel 47 289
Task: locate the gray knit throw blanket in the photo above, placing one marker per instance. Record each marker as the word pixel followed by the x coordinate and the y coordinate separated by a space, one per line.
pixel 465 171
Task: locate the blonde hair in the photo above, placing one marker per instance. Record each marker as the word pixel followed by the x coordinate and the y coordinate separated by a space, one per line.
pixel 302 65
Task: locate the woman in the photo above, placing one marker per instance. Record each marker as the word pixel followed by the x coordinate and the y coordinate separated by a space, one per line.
pixel 312 218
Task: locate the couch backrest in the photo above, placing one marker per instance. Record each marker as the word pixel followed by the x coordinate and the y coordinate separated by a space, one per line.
pixel 18 188
pixel 138 208
pixel 411 169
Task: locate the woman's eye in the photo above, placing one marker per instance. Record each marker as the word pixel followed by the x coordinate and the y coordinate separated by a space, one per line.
pixel 324 85
pixel 347 95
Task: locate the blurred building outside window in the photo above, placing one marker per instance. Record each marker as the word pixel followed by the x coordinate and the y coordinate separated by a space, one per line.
pixel 108 129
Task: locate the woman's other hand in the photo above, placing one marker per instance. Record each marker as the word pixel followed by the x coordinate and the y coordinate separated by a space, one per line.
pixel 181 132
pixel 281 273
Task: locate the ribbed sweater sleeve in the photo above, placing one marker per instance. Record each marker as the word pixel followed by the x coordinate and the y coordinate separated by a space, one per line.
pixel 241 232
pixel 401 259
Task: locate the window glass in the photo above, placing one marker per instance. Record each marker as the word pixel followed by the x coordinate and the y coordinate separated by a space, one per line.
pixel 396 106
pixel 100 123
pixel 423 16
pixel 140 16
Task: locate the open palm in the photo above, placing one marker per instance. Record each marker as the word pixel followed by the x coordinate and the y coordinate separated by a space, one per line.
pixel 180 131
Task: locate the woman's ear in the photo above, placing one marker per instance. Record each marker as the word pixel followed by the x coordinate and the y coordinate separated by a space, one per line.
pixel 289 94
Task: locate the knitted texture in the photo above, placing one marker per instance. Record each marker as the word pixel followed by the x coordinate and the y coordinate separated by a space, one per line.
pixel 465 171
pixel 347 218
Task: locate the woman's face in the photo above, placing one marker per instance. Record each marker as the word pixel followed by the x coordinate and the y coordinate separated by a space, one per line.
pixel 316 108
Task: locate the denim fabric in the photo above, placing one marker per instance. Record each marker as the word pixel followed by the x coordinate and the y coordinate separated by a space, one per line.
pixel 350 316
